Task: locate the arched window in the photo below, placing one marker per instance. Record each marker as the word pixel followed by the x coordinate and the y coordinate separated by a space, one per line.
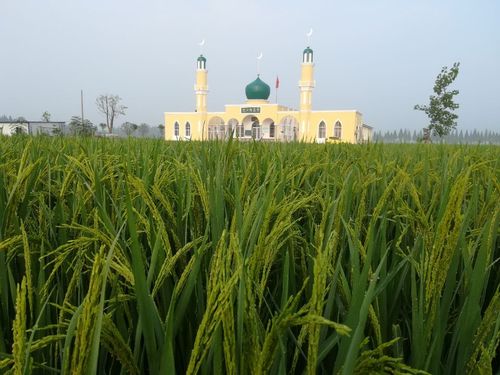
pixel 322 130
pixel 272 130
pixel 176 129
pixel 188 129
pixel 337 130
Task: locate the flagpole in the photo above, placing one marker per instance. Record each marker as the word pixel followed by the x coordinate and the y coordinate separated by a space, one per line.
pixel 277 88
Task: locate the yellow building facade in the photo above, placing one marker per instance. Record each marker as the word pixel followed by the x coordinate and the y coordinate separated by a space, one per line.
pixel 258 119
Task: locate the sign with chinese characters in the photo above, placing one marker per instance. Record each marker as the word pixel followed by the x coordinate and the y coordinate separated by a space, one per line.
pixel 250 110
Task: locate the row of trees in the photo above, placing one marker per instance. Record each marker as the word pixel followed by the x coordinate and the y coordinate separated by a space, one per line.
pixel 86 128
pixel 4 118
pixel 111 108
pixel 455 136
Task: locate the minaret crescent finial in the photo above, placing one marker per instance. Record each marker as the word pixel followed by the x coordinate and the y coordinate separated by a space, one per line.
pixel 309 34
pixel 258 62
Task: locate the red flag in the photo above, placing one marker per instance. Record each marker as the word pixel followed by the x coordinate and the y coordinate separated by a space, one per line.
pixel 277 82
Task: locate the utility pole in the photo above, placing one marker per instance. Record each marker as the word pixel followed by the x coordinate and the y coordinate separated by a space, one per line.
pixel 81 100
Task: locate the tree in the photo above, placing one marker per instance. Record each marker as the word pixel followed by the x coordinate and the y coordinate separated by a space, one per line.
pixel 102 125
pixel 143 129
pixel 19 130
pixel 129 128
pixel 110 107
pixel 161 127
pixel 77 127
pixel 57 132
pixel 46 116
pixel 441 105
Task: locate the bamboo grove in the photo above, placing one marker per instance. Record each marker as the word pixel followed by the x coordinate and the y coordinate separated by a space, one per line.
pixel 140 256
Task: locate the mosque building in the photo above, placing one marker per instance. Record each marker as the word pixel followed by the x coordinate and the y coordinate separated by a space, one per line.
pixel 258 119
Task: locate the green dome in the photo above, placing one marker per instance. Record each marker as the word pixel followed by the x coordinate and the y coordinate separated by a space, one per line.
pixel 257 90
pixel 202 58
pixel 308 50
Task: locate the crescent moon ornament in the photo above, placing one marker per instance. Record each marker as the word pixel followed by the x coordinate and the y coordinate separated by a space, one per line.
pixel 309 36
pixel 258 62
pixel 201 44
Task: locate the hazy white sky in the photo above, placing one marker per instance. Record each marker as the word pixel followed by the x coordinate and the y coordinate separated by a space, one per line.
pixel 377 56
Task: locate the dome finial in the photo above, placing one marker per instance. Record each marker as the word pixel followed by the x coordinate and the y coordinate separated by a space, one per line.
pixel 201 62
pixel 308 55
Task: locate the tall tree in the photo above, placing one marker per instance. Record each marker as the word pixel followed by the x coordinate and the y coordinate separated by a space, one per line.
pixel 110 107
pixel 441 104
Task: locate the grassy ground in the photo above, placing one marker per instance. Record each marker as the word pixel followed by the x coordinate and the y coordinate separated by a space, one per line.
pixel 140 256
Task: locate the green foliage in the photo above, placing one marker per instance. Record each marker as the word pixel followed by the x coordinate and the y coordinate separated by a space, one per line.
pixel 46 116
pixel 79 128
pixel 161 127
pixel 129 128
pixel 143 129
pixel 143 256
pixel 19 130
pixel 441 105
pixel 57 131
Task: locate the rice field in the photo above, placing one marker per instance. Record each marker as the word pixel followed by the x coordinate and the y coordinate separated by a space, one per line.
pixel 145 257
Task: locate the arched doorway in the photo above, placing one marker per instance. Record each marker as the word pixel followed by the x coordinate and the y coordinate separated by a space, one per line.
pixel 287 129
pixel 268 129
pixel 256 134
pixel 251 127
pixel 272 130
pixel 216 128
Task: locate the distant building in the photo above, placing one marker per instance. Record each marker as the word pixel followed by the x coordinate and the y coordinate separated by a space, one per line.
pixel 31 127
pixel 258 119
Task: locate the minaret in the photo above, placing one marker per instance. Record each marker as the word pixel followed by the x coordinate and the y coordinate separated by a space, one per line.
pixel 201 85
pixel 306 85
pixel 201 91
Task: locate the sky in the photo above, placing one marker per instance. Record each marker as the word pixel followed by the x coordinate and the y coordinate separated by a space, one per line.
pixel 380 57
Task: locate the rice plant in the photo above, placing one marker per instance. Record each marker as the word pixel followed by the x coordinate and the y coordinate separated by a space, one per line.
pixel 140 256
